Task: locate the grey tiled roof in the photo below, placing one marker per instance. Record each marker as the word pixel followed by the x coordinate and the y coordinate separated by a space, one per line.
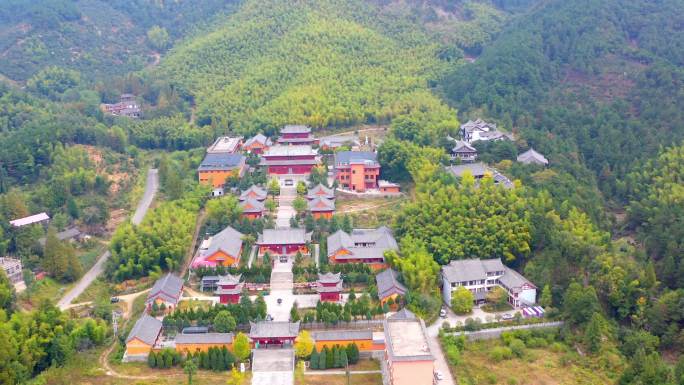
pixel 532 157
pixel 221 161
pixel 479 170
pixel 321 204
pixel 204 338
pixel 229 279
pixel 329 277
pixel 256 206
pixel 470 269
pixel 254 191
pixel 403 314
pixel 387 284
pixel 284 237
pixel 463 147
pixel 343 335
pixel 146 329
pixel 336 141
pixel 169 288
pixel 295 129
pixel 320 191
pixel 300 150
pixel 270 329
pixel 228 240
pixel 259 138
pixel 347 157
pixel 377 242
pixel 514 280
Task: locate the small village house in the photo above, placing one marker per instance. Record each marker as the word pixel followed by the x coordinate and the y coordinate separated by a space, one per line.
pixel 463 152
pixel 479 170
pixel 389 286
pixel 222 249
pixel 388 188
pixel 257 144
pixel 127 106
pixel 215 169
pixel 479 130
pixel 331 143
pixel 357 170
pixel 361 246
pixel 13 270
pixel 166 291
pixel 296 135
pixel 364 339
pixel 408 356
pixel 202 342
pixel 142 338
pixel 30 220
pixel 482 275
pixel 229 288
pixel 283 241
pixel 532 157
pixel 272 333
pixel 329 287
pixel 290 160
pixel 225 145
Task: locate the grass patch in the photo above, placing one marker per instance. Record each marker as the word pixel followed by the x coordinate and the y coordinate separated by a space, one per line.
pixel 341 379
pixel 97 290
pixel 540 366
pixel 46 289
pixel 370 212
pixel 194 304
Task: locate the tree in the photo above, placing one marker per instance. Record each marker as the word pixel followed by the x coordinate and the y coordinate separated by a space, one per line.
pixel 7 294
pixel 224 322
pixel 294 313
pixel 190 367
pixel 580 303
pixel 158 37
pixel 236 377
pixel 152 360
pixel 462 301
pixel 594 332
pixel 313 359
pixel 301 188
pixel 498 297
pixel 546 299
pixel 299 204
pixel 323 358
pixel 329 358
pixel 304 345
pixel 274 187
pixel 241 347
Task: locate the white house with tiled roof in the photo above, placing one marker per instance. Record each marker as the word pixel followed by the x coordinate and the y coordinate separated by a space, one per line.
pixel 482 275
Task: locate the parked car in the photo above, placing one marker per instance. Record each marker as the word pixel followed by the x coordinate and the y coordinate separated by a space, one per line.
pixel 114 299
pixel 443 313
pixel 507 317
pixel 439 376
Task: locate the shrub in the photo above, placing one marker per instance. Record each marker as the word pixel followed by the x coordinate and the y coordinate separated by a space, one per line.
pixel 517 347
pixel 500 353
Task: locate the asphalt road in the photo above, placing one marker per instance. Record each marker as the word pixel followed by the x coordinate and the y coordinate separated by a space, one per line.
pixel 151 187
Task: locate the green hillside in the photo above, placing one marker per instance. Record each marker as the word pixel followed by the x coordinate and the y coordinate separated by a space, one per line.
pixel 323 63
pixel 98 38
pixel 594 81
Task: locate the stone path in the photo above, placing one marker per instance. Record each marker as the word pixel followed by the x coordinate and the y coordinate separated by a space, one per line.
pixel 285 209
pixel 151 187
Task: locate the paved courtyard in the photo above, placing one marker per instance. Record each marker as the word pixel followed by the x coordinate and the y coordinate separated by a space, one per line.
pixel 272 367
pixel 285 209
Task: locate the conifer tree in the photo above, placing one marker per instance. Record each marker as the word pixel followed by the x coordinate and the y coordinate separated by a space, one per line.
pixel 323 359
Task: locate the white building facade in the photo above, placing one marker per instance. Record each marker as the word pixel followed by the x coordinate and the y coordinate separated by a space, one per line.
pixel 481 276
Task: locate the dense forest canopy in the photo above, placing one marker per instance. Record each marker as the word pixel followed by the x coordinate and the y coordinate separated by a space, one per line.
pixel 597 86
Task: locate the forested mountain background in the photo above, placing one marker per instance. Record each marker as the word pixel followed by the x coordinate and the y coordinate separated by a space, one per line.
pixel 597 86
